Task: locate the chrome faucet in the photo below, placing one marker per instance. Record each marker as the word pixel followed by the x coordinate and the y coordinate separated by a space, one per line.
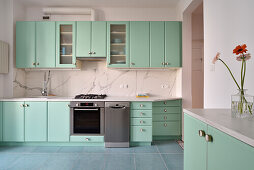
pixel 44 90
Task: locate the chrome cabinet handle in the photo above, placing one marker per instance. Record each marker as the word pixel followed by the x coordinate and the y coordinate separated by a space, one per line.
pixel 165 110
pixel 163 63
pixel 22 105
pixel 38 64
pixel 165 124
pixel 87 139
pixel 132 63
pixel 141 130
pixel 165 102
pixel 208 138
pixel 165 117
pixel 141 105
pixel 26 105
pixel 141 114
pixel 90 52
pixel 201 133
pixel 34 64
pixel 94 52
pixel 141 121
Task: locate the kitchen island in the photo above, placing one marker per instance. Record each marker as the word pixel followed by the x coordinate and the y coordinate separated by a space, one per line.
pixel 215 140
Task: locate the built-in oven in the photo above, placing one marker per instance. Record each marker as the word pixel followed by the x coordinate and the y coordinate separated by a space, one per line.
pixel 87 118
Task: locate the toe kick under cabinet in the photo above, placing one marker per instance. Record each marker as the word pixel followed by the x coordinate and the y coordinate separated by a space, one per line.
pixel 167 119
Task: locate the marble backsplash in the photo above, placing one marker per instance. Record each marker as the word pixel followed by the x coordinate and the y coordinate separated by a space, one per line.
pixel 95 77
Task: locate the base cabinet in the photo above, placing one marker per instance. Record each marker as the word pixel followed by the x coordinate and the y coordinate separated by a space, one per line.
pixel 58 122
pixel 13 121
pixel 223 152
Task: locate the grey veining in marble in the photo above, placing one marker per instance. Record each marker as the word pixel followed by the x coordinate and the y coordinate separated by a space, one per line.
pixel 95 77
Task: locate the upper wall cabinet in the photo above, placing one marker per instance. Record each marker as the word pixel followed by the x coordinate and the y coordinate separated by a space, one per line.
pixel 118 44
pixel 25 45
pixel 157 44
pixel 173 44
pixel 66 44
pixel 45 44
pixel 35 44
pixel 91 39
pixel 139 44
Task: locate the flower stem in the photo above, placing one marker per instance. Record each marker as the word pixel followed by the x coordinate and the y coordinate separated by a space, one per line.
pixel 230 73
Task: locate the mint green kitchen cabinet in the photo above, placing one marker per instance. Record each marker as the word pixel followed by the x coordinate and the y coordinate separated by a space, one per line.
pixel 194 145
pixel 118 44
pixel 25 44
pixel 36 121
pixel 1 121
pixel 220 152
pixel 157 44
pixel 66 44
pixel 141 122
pixel 173 44
pixel 139 44
pixel 45 44
pixel 58 122
pixel 167 119
pixel 91 39
pixel 13 122
pixel 226 152
pixel 83 48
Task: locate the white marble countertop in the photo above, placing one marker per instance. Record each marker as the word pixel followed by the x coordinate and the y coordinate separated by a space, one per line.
pixel 241 129
pixel 110 98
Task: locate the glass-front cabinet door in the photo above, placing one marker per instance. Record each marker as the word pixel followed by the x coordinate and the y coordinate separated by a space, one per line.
pixel 118 44
pixel 65 44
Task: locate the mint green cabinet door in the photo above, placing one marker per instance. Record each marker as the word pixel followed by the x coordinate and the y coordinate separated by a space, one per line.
pixel 35 121
pixel 99 39
pixel 13 121
pixel 1 121
pixel 195 147
pixel 173 44
pixel 83 38
pixel 66 44
pixel 45 44
pixel 157 43
pixel 58 122
pixel 226 152
pixel 118 44
pixel 139 44
pixel 141 133
pixel 25 44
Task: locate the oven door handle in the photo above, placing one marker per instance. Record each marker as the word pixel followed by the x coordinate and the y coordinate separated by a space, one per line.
pixel 87 109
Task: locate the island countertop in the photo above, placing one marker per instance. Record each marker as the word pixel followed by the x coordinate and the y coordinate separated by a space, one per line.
pixel 241 129
pixel 107 99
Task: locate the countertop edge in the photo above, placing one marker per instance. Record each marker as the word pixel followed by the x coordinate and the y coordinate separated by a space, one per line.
pixel 222 128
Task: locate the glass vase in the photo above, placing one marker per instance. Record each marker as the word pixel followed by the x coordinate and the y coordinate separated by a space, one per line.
pixel 242 104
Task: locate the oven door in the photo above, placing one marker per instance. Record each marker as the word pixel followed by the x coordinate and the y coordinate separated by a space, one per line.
pixel 87 120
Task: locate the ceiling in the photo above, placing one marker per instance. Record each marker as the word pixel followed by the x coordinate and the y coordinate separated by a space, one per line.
pixel 102 3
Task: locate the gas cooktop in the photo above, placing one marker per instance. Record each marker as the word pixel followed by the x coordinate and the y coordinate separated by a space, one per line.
pixel 90 96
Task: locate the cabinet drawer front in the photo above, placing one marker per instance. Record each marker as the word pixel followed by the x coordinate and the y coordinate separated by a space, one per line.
pixel 87 139
pixel 165 117
pixel 141 113
pixel 141 133
pixel 168 103
pixel 141 105
pixel 166 110
pixel 166 128
pixel 141 121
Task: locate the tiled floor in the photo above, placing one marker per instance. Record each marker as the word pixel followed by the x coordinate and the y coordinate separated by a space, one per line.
pixel 167 155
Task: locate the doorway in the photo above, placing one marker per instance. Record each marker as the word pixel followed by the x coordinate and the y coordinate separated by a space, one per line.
pixel 197 68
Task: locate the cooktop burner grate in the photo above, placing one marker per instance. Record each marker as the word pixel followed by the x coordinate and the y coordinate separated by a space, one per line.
pixel 90 96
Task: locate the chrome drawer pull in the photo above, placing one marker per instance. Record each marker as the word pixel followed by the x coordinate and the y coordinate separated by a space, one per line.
pixel 165 124
pixel 141 130
pixel 165 102
pixel 141 121
pixel 165 117
pixel 208 138
pixel 165 110
pixel 141 114
pixel 141 105
pixel 87 139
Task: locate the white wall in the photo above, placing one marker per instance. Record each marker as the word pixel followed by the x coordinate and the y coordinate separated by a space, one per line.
pixel 119 14
pixel 226 25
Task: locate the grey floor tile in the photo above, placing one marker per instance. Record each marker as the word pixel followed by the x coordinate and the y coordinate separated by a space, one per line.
pixel 17 149
pixel 71 149
pixel 119 162
pixel 60 162
pixel 7 160
pixel 90 162
pixel 94 149
pixel 29 162
pixel 145 149
pixel 169 147
pixel 46 149
pixel 173 161
pixel 120 150
pixel 149 162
